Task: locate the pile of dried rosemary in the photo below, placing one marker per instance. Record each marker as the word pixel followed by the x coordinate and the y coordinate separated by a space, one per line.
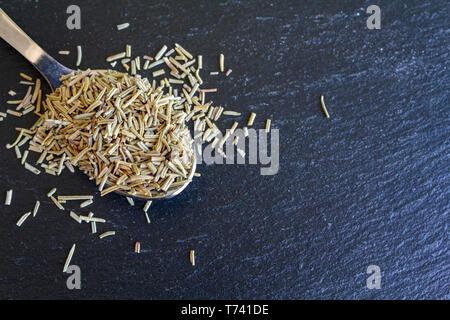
pixel 125 133
pixel 120 130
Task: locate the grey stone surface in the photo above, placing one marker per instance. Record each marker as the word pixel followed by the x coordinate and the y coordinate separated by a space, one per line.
pixel 368 186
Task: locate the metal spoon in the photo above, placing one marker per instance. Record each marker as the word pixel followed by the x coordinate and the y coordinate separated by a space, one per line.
pixel 52 71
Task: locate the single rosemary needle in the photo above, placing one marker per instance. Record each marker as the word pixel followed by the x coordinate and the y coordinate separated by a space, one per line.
pixel 324 108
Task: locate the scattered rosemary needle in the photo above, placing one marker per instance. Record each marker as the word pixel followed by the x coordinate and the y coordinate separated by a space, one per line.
pixel 133 67
pixel 130 201
pixel 117 56
pixel 209 90
pixel 222 62
pixel 107 234
pixel 36 208
pixel 232 113
pixel 146 207
pixel 79 56
pixel 160 53
pixel 156 63
pixel 8 199
pixel 51 192
pixel 23 218
pixel 138 63
pixel 183 51
pixel 233 127
pixel 158 73
pixel 268 121
pixel 69 258
pixel 251 119
pixel 123 26
pixel 18 153
pixel 92 219
pixel 168 53
pixel 57 203
pixel 75 217
pixel 69 198
pixel 93 224
pixel 14 113
pixel 147 217
pixel 25 76
pixel 324 108
pixel 24 157
pixel 128 50
pixel 192 257
pixel 29 167
pixel 86 203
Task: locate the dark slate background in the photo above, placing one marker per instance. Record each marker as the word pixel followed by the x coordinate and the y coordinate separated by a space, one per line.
pixel 368 186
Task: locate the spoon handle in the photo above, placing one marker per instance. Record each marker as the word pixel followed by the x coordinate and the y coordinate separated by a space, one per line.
pixel 51 69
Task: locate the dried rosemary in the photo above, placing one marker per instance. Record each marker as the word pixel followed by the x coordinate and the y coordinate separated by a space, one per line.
pixel 119 130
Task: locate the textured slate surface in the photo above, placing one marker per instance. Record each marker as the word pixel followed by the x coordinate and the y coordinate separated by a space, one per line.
pixel 368 186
